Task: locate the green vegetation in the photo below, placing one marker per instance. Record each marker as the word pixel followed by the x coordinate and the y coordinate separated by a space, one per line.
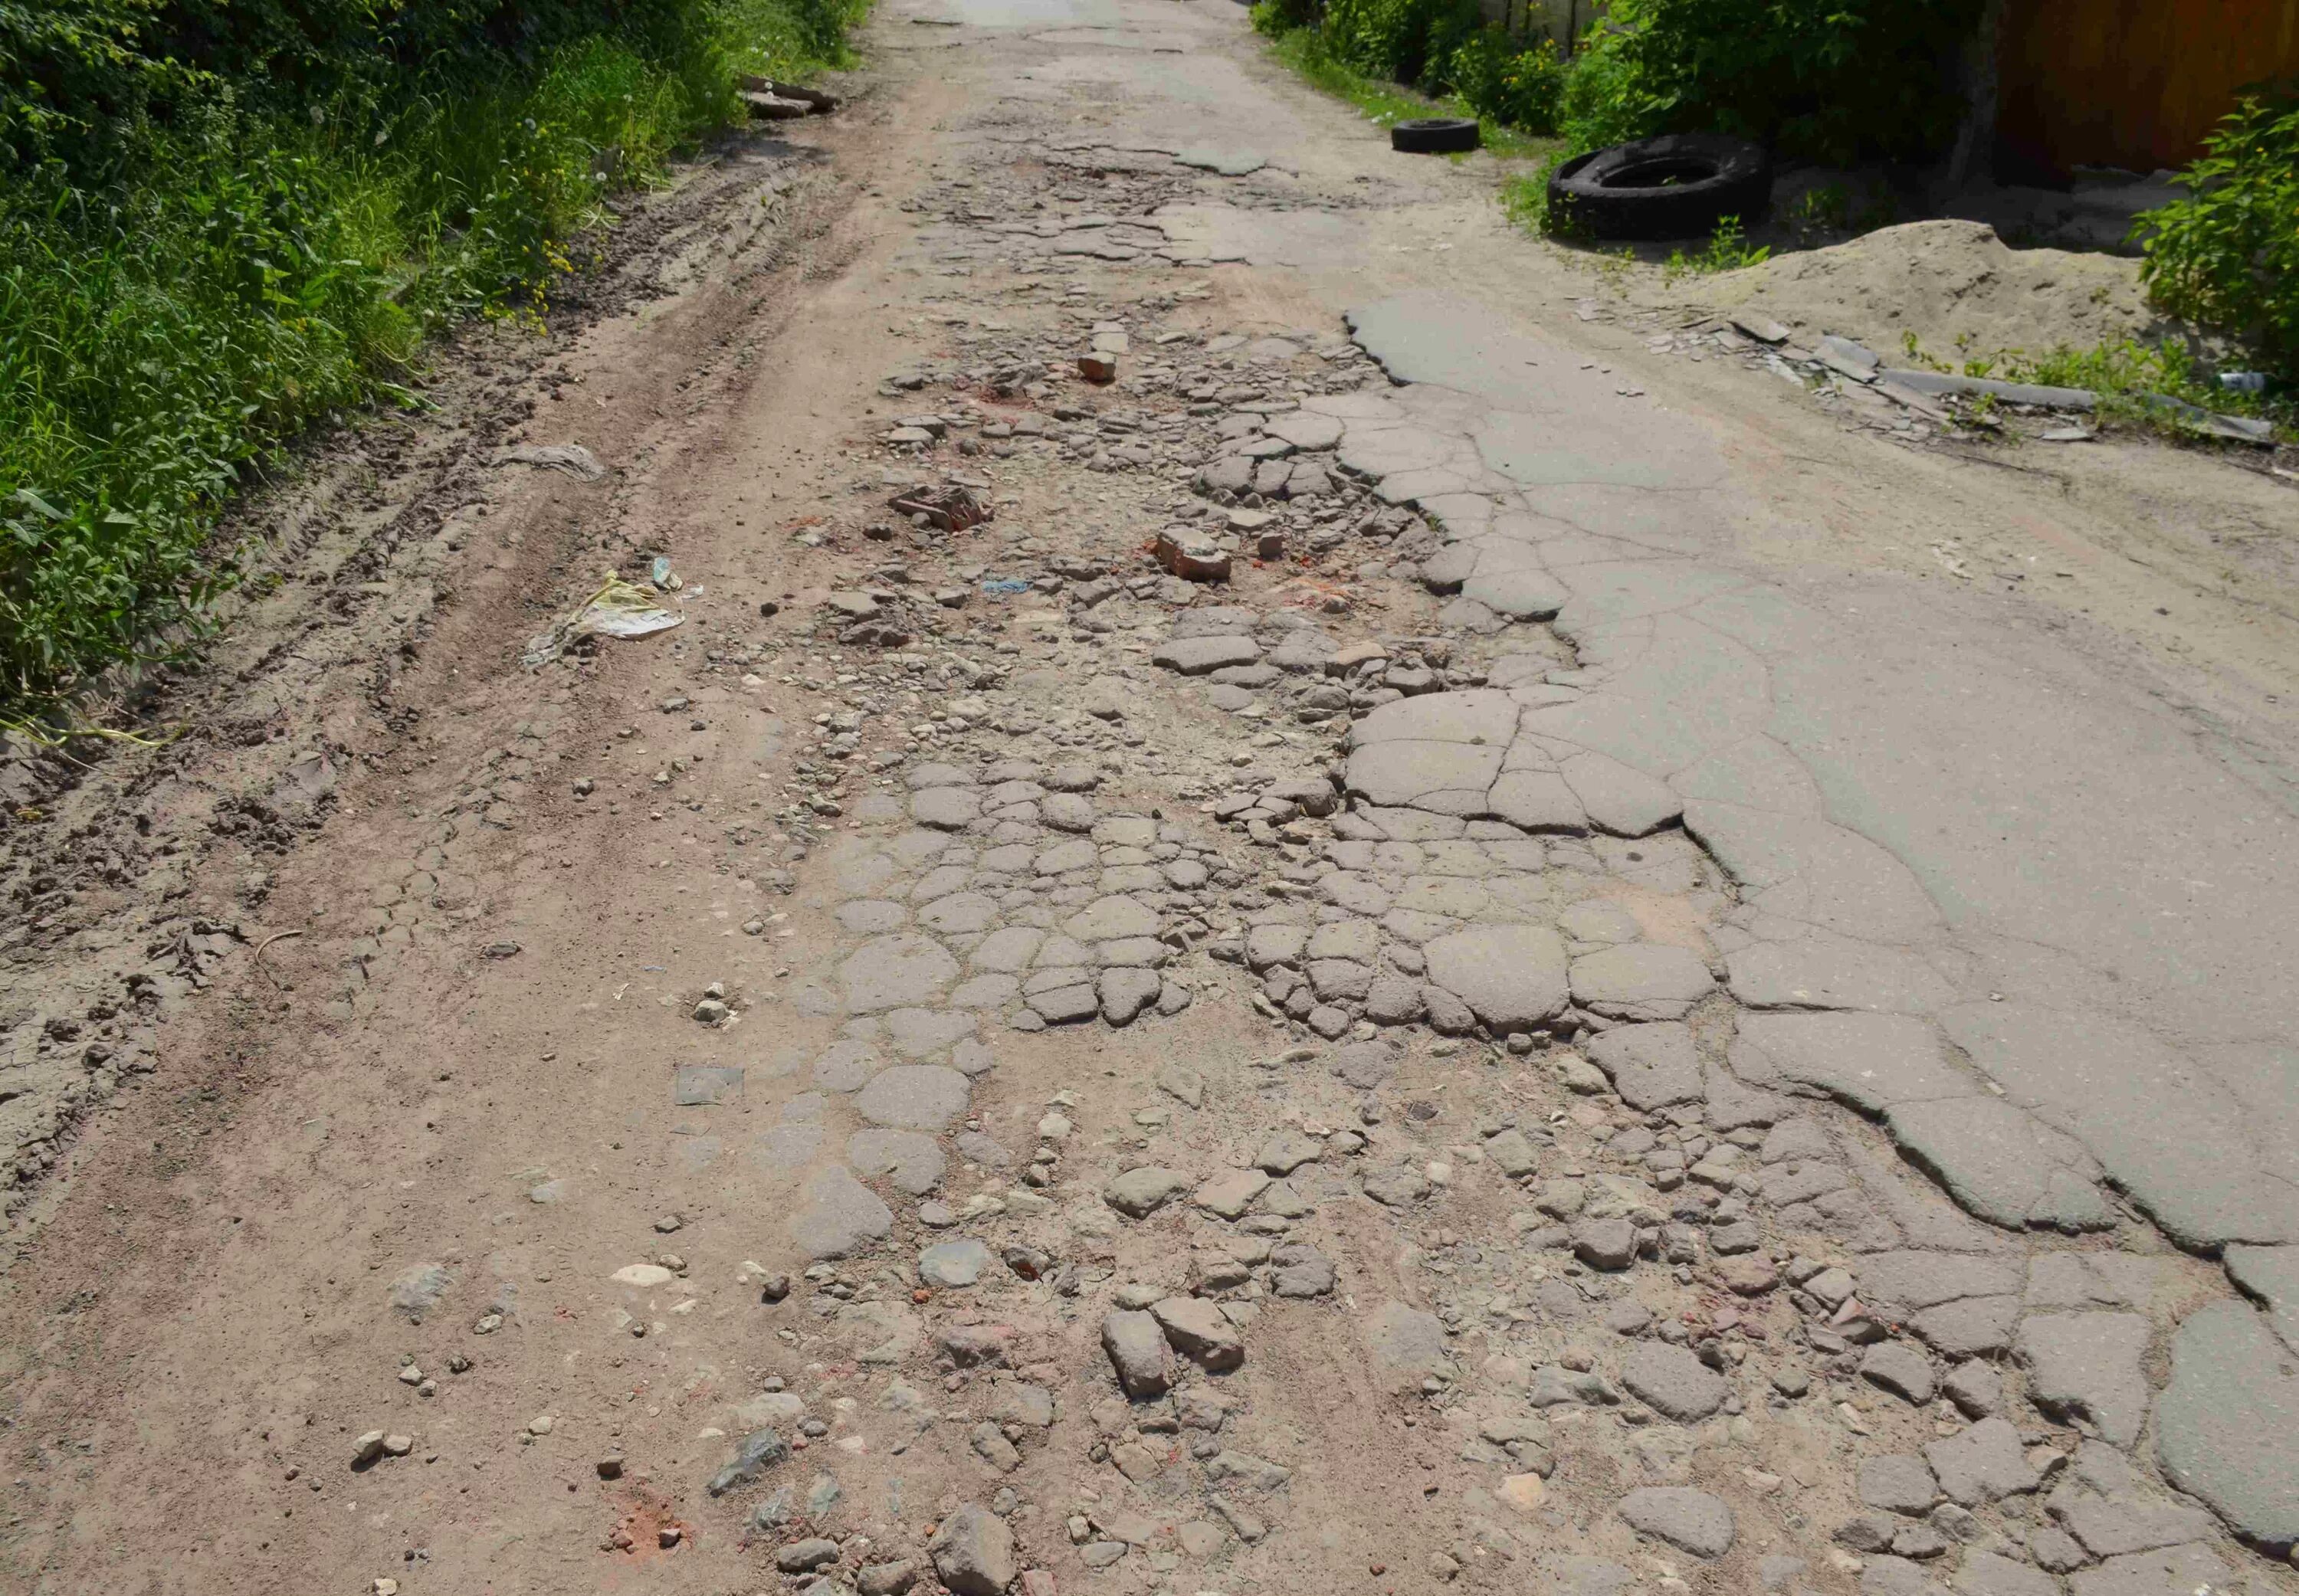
pixel 2123 372
pixel 219 223
pixel 2228 255
pixel 1727 250
pixel 1837 80
pixel 1399 59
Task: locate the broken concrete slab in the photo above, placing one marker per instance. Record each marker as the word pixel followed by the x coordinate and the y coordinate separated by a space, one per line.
pixel 2226 1427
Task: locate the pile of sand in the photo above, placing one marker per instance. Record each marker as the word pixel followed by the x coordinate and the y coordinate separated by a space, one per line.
pixel 1941 280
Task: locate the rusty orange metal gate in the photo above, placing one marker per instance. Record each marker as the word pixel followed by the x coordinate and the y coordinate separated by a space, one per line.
pixel 2129 83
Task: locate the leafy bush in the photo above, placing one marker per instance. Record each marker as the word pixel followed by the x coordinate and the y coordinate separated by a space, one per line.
pixel 1836 79
pixel 221 221
pixel 1409 41
pixel 2228 255
pixel 1275 19
pixel 1500 79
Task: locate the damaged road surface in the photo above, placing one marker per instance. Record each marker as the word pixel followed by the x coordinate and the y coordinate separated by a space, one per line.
pixel 1279 917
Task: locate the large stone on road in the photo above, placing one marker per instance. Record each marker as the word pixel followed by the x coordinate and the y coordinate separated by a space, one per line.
pixel 837 1215
pixel 1652 1066
pixel 2226 1427
pixel 1983 1464
pixel 1196 655
pixel 1512 977
pixel 1688 1519
pixel 1673 1381
pixel 913 1097
pixel 897 972
pixel 1138 1192
pixel 1136 1347
pixel 2088 1365
pixel 973 1552
pixel 1200 1332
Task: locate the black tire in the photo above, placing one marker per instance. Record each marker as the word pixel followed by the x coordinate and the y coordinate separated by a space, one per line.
pixel 1434 135
pixel 1678 186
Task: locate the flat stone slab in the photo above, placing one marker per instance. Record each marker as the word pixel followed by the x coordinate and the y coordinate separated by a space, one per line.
pixel 1673 1381
pixel 960 1263
pixel 1689 1519
pixel 837 1215
pixel 1196 655
pixel 1511 977
pixel 896 972
pixel 2226 1427
pixel 1651 1066
pixel 1983 1464
pixel 913 1097
pixel 2088 1365
pixel 912 1161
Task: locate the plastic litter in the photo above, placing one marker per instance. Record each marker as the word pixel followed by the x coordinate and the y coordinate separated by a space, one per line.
pixel 1004 587
pixel 619 608
pixel 664 578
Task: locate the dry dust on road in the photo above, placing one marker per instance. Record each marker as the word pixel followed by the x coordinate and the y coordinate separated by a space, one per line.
pixel 1430 945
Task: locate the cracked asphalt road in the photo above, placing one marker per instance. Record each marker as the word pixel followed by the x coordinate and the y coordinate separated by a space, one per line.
pixel 1589 973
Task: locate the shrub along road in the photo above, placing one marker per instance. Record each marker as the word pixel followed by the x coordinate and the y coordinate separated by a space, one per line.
pixel 1589 1019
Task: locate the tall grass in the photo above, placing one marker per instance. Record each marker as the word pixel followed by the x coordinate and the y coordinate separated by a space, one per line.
pixel 249 272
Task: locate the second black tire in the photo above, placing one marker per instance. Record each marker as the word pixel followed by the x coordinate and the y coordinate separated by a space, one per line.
pixel 1434 135
pixel 1678 186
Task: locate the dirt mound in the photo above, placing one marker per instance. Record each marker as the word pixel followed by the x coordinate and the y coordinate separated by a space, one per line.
pixel 1943 280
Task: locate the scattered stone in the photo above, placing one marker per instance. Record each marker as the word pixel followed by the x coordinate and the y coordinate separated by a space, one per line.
pixel 1200 1332
pixel 1141 1192
pixel 1606 1243
pixel 973 1552
pixel 1136 1345
pixel 1898 1484
pixel 1900 1369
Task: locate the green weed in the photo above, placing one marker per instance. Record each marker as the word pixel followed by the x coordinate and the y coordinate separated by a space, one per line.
pixel 1727 250
pixel 180 294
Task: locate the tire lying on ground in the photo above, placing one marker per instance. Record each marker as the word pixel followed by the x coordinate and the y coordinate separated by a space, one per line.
pixel 1433 136
pixel 1678 186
